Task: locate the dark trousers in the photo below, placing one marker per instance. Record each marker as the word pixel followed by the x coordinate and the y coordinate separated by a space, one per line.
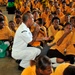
pixel 55 53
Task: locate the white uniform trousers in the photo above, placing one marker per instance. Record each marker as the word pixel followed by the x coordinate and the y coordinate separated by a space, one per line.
pixel 30 53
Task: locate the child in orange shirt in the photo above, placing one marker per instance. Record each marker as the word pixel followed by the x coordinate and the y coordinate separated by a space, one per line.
pixel 42 66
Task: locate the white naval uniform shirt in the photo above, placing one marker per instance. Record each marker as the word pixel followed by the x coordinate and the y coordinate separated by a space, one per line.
pixel 22 37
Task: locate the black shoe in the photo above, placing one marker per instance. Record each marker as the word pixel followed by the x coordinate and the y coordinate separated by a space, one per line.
pixel 18 61
pixel 20 68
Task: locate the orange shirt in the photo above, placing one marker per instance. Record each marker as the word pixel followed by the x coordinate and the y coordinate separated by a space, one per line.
pixel 42 32
pixel 60 69
pixel 73 12
pixel 68 1
pixel 41 8
pixel 22 9
pixel 71 49
pixel 27 9
pixel 5 33
pixel 68 10
pixel 44 16
pixel 73 5
pixel 31 70
pixel 48 22
pixel 35 5
pixel 60 15
pixel 64 43
pixel 53 9
pixel 52 31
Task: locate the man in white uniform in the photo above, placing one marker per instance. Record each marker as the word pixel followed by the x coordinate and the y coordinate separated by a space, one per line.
pixel 22 38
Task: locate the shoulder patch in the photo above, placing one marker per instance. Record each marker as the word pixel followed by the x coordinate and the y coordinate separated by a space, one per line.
pixel 23 31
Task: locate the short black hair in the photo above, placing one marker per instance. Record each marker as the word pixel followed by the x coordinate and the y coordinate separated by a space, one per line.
pixel 67 23
pixel 25 17
pixel 28 12
pixel 55 18
pixel 72 18
pixel 34 11
pixel 70 70
pixel 63 2
pixel 40 21
pixel 1 20
pixel 42 62
pixel 11 21
pixel 18 16
pixel 18 11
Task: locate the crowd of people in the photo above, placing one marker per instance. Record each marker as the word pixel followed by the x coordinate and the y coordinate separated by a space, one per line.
pixel 39 31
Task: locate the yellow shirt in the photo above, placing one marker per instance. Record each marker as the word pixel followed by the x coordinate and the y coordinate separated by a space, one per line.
pixel 31 70
pixel 68 10
pixel 71 49
pixel 43 32
pixel 22 9
pixel 64 43
pixel 27 9
pixel 53 9
pixel 60 69
pixel 41 8
pixel 52 31
pixel 35 5
pixel 61 15
pixel 5 33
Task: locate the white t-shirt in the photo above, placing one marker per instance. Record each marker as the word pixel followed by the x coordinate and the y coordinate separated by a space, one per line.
pixel 22 37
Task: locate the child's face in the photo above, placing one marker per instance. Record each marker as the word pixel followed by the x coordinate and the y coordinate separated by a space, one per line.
pixel 1 24
pixel 47 71
pixel 68 28
pixel 11 25
pixel 73 22
pixel 56 23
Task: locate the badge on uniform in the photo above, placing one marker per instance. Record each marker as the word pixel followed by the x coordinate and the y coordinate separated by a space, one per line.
pixel 23 31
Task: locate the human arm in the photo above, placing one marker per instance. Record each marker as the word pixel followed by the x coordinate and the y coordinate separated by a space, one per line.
pixel 35 33
pixel 66 32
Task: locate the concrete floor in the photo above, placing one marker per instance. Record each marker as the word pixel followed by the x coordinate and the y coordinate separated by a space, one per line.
pixel 8 66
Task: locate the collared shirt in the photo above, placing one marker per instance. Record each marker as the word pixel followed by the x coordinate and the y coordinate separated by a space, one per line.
pixel 22 37
pixel 52 31
pixel 64 43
